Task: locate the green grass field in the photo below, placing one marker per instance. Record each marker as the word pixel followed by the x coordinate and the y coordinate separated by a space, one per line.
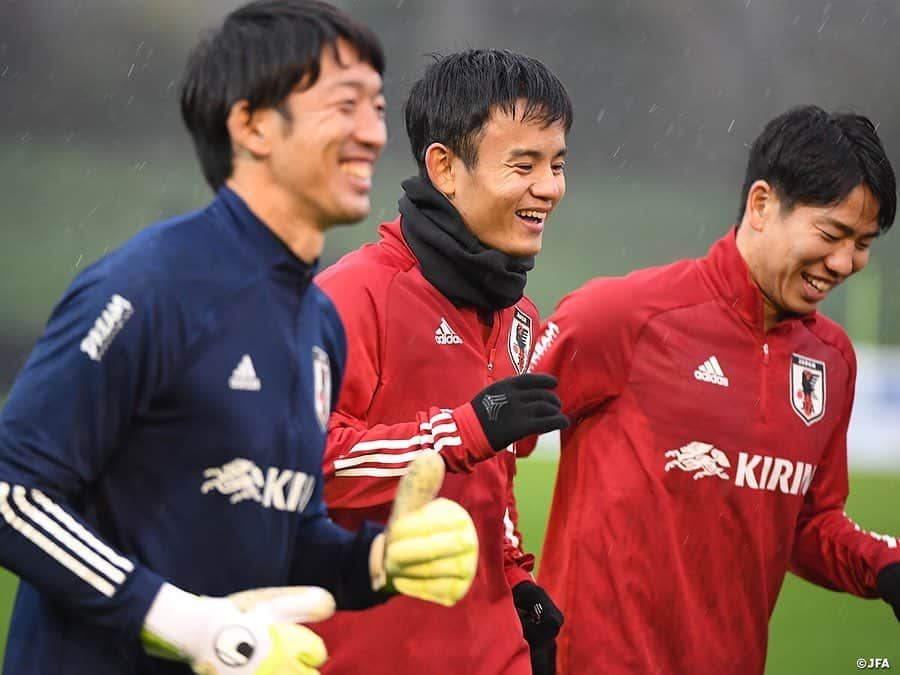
pixel 812 631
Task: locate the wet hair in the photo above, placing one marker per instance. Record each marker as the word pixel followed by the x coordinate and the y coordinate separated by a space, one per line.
pixel 817 158
pixel 261 53
pixel 458 93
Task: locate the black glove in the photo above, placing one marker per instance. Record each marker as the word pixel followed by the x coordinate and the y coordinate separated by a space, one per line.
pixel 541 619
pixel 888 587
pixel 517 407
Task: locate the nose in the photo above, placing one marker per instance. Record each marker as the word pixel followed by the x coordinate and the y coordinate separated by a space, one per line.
pixel 549 186
pixel 371 129
pixel 841 261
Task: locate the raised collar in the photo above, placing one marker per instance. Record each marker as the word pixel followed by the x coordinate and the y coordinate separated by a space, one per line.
pixel 728 274
pixel 255 237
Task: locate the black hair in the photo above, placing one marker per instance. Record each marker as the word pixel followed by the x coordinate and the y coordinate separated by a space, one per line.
pixel 813 157
pixel 260 54
pixel 458 93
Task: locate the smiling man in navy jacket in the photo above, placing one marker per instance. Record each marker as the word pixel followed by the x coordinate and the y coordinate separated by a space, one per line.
pixel 167 431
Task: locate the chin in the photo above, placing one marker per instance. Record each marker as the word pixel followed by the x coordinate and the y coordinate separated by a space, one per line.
pixel 351 214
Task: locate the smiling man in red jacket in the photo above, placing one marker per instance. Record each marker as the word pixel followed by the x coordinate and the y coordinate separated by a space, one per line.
pixel 439 336
pixel 709 405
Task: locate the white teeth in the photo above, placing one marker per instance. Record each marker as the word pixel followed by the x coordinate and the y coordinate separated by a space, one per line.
pixel 358 169
pixel 821 286
pixel 540 215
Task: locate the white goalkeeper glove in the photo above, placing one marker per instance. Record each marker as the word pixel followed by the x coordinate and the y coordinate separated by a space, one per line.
pixel 430 548
pixel 248 633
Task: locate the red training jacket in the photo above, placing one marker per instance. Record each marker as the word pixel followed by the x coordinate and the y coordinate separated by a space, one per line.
pixel 409 347
pixel 706 458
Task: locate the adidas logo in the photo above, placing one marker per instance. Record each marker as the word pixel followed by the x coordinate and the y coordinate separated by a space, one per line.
pixel 243 377
pixel 444 335
pixel 710 371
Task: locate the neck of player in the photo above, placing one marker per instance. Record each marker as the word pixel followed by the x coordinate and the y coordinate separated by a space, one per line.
pixel 282 216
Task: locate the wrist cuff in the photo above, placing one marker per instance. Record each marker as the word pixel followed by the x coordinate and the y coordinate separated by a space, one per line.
pixel 475 445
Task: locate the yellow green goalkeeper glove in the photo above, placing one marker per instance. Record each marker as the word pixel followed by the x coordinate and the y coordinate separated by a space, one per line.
pixel 430 548
pixel 248 633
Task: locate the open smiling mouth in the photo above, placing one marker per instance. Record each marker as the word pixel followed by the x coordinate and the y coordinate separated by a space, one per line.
pixel 534 217
pixel 820 285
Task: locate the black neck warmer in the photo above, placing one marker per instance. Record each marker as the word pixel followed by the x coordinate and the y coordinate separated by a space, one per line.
pixel 452 259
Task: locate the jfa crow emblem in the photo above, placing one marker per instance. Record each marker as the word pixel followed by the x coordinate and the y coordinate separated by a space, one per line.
pixel 321 385
pixel 520 337
pixel 808 388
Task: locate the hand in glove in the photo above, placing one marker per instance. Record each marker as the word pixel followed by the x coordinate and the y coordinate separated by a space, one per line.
pixel 541 618
pixel 248 633
pixel 430 548
pixel 518 407
pixel 889 587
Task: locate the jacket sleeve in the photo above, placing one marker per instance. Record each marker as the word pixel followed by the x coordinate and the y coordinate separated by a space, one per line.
pixel 829 548
pixel 363 461
pixel 68 411
pixel 586 344
pixel 517 564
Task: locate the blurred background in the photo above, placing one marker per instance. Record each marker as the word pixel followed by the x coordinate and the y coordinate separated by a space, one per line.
pixel 668 96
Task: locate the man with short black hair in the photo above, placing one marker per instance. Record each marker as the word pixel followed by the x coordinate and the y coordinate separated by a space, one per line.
pixel 439 338
pixel 165 438
pixel 709 404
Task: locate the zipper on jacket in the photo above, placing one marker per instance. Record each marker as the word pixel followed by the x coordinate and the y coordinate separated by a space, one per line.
pixel 498 325
pixel 764 380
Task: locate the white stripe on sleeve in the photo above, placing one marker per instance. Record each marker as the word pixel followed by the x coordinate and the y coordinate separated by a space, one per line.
pixel 510 529
pixel 76 528
pixel 49 547
pixel 50 526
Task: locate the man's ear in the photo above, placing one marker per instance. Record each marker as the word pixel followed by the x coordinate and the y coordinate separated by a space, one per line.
pixel 761 199
pixel 251 131
pixel 441 172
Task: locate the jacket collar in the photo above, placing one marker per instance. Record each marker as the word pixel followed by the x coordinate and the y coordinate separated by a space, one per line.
pixel 728 274
pixel 255 237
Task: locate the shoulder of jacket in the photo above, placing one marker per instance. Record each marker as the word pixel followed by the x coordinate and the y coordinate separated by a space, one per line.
pixel 646 291
pixel 831 333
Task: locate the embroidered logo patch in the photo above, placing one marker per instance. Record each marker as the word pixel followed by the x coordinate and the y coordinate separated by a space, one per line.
pixel 322 385
pixel 520 339
pixel 808 392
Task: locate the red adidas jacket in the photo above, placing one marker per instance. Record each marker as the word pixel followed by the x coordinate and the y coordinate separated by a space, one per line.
pixel 706 458
pixel 409 347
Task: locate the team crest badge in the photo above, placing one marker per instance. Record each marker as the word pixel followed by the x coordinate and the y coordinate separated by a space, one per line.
pixel 520 340
pixel 321 385
pixel 808 388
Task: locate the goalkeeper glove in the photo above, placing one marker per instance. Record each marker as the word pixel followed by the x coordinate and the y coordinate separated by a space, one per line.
pixel 517 407
pixel 541 618
pixel 888 586
pixel 248 633
pixel 430 548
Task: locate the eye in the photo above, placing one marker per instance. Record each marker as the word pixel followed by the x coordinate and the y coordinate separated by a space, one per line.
pixel 380 108
pixel 347 105
pixel 826 235
pixel 524 167
pixel 559 168
pixel 863 245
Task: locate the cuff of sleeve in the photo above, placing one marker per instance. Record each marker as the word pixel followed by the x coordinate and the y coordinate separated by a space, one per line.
pixel 358 592
pixel 139 593
pixel 515 575
pixel 475 446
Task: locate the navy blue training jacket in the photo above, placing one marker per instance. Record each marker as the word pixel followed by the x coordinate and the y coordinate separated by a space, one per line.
pixel 170 425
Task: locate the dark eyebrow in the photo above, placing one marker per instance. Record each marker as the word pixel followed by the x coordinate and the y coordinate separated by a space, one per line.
pixel 518 153
pixel 846 229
